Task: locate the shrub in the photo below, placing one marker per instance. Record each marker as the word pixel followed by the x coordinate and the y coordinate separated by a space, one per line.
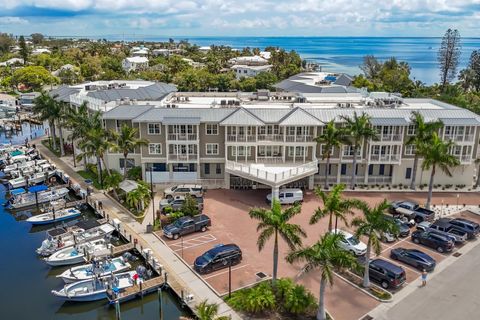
pixel 92 168
pixel 298 300
pixel 189 206
pixel 168 210
pixel 448 186
pixel 134 173
pixel 258 299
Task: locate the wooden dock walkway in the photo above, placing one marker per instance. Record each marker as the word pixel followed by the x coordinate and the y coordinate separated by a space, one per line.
pixel 138 290
pixel 118 250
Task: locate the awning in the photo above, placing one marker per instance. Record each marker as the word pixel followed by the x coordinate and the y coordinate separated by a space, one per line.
pixel 17 191
pixel 38 188
pixel 128 185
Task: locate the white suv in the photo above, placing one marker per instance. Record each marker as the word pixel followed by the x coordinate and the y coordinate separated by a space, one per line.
pixel 351 243
pixel 184 189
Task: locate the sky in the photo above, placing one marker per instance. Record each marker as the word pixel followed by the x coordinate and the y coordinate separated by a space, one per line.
pixel 172 18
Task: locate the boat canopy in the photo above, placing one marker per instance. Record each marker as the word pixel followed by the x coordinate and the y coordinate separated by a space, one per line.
pixel 17 191
pixel 38 188
pixel 16 153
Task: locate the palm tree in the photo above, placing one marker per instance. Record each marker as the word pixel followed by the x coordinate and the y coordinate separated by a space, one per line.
pixel 358 130
pixel 113 181
pixel 48 110
pixel 327 256
pixel 274 222
pixel 134 199
pixel 61 122
pixel 331 137
pixel 373 224
pixel 208 311
pixel 126 141
pixel 437 154
pixel 333 205
pixel 423 134
pixel 78 121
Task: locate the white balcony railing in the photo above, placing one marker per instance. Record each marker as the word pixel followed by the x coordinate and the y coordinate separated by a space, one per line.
pixel 182 137
pixel 270 159
pixel 464 158
pixel 274 176
pixel 183 157
pixel 385 157
pixel 299 138
pixel 270 137
pixel 391 137
pixel 460 138
pixel 379 179
pixel 240 138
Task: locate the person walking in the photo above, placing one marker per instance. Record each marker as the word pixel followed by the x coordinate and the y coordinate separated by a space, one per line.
pixel 424 277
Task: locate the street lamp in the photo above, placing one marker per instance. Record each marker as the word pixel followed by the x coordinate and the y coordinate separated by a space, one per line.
pixel 151 193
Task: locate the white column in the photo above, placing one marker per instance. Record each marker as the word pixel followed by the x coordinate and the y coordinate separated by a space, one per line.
pixel 311 182
pixel 294 152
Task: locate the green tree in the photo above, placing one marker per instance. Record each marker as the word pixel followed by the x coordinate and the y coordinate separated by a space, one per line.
pixel 359 131
pixel 259 299
pixel 113 181
pixel 295 298
pixel 248 84
pixel 275 222
pixel 326 256
pixel 330 139
pixel 34 77
pixel 24 52
pixel 265 80
pixel 126 141
pixel 333 205
pixel 189 206
pixel 423 134
pixel 448 56
pixel 48 110
pixel 208 311
pixel 373 224
pixel 134 199
pixel 5 42
pixel 37 38
pixel 437 154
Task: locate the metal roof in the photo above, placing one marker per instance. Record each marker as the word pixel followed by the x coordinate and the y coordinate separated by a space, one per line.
pixel 181 120
pixel 205 114
pixel 242 117
pixel 126 112
pixel 63 93
pixel 460 121
pixel 389 121
pixel 299 117
pixel 156 91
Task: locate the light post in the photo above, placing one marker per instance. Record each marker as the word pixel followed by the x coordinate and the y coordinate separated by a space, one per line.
pixel 151 192
pixel 229 280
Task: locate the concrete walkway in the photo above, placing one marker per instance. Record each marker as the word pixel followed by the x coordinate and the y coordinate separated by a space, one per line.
pixel 180 276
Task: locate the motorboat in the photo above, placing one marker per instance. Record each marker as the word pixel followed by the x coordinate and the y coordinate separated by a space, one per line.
pixel 9 168
pixel 54 216
pixel 76 254
pixel 38 177
pixel 99 268
pixel 28 199
pixel 96 288
pixel 17 182
pixel 61 238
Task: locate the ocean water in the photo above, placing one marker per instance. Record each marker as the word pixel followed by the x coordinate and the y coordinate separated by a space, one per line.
pixel 345 54
pixel 27 280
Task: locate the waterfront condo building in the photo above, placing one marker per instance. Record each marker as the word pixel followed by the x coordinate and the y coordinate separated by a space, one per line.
pixel 267 139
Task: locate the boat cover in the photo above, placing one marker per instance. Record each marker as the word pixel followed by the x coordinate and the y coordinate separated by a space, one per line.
pixel 16 153
pixel 38 188
pixel 17 191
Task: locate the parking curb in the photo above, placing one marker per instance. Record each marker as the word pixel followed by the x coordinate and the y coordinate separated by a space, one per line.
pixel 363 289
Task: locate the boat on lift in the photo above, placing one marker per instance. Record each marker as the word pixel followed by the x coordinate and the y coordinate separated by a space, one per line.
pixel 98 267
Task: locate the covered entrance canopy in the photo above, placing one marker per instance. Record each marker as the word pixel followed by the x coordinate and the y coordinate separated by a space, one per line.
pixel 128 185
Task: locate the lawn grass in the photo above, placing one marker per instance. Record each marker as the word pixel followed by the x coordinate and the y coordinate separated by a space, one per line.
pixel 92 176
pixel 47 145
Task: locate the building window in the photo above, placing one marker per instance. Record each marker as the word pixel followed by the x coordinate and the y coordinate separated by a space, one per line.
pixel 411 130
pixel 211 149
pixel 130 163
pixel 155 148
pixel 343 169
pixel 348 151
pixel 211 129
pixel 218 170
pixel 322 150
pixel 207 168
pixel 370 169
pixel 269 151
pixel 408 173
pixel 410 150
pixel 241 151
pixel 381 170
pixel 153 128
pixel 297 151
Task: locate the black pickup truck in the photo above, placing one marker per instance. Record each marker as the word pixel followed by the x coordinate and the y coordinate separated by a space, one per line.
pixel 412 211
pixel 187 225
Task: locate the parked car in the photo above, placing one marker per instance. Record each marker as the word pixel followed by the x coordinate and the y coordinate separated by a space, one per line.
pixel 176 203
pixel 288 196
pixel 403 230
pixel 444 226
pixel 186 225
pixel 413 257
pixel 412 211
pixel 389 275
pixel 472 228
pixel 220 256
pixel 439 242
pixel 184 189
pixel 426 226
pixel 351 243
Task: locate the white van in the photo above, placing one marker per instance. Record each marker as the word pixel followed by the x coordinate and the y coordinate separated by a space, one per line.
pixel 288 196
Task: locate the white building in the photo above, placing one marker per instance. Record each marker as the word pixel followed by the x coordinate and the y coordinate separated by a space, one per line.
pixel 11 61
pixel 249 61
pixel 134 64
pixel 140 53
pixel 40 51
pixel 244 71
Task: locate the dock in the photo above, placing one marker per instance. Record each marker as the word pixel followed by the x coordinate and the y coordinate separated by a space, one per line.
pixel 118 250
pixel 138 290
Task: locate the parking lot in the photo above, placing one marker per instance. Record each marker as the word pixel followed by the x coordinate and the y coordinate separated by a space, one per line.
pixel 228 211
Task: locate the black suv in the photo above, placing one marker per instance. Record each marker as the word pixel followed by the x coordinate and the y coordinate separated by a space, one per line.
pixel 389 275
pixel 221 256
pixel 470 227
pixel 440 242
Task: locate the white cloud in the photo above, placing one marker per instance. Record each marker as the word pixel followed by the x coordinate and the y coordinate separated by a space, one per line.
pixel 12 20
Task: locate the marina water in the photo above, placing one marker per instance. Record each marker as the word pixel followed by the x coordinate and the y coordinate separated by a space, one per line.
pixel 27 281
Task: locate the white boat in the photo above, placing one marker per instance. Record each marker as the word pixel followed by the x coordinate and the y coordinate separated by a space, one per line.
pixel 95 289
pixel 28 199
pixel 9 168
pixel 17 182
pixel 100 268
pixel 54 216
pixel 57 240
pixel 38 177
pixel 75 254
pixel 41 162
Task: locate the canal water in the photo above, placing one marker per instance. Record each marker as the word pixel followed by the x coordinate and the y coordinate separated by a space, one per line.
pixel 26 281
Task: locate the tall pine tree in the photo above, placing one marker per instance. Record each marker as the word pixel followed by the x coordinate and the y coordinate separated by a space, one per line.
pixel 448 56
pixel 23 49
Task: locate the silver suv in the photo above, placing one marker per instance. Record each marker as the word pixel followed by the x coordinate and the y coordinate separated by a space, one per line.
pixel 184 189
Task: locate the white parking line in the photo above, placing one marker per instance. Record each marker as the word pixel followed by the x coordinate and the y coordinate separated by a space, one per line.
pixel 191 243
pixel 220 273
pixel 394 244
